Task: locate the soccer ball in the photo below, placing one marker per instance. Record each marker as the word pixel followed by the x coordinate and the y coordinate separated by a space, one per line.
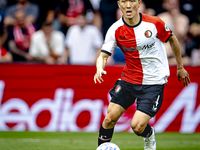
pixel 108 146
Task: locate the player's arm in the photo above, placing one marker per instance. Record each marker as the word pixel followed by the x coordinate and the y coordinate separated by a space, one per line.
pixel 181 72
pixel 100 66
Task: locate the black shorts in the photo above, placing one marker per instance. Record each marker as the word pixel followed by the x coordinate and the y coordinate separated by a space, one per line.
pixel 149 97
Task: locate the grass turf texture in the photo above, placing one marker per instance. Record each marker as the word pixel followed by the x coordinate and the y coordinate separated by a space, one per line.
pixel 88 141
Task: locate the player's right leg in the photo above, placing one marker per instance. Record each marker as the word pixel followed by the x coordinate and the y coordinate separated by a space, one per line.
pixel 106 131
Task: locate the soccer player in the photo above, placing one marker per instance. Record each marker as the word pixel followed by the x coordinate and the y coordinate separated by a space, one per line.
pixel 141 38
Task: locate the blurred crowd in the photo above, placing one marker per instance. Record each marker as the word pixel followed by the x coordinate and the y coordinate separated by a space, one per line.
pixel 73 31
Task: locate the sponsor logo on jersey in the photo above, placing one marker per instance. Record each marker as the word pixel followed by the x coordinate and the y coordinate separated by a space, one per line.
pixel 146 46
pixel 148 33
pixel 117 89
pixel 129 49
pixel 139 47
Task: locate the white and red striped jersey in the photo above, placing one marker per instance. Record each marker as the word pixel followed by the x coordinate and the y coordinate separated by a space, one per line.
pixel 143 47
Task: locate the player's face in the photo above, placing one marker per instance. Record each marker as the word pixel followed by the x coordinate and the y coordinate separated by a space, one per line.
pixel 129 8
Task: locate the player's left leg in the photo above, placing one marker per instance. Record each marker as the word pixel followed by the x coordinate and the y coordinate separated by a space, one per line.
pixel 148 104
pixel 141 128
pixel 139 123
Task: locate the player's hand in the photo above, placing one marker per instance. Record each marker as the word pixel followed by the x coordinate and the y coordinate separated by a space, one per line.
pixel 183 74
pixel 97 76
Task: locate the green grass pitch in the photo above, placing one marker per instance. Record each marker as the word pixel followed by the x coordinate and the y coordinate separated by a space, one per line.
pixel 88 141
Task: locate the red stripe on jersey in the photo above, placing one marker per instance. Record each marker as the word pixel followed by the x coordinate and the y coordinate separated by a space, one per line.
pixel 126 40
pixel 163 31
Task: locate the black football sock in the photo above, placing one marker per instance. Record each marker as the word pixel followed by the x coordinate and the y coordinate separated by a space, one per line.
pixel 105 135
pixel 147 132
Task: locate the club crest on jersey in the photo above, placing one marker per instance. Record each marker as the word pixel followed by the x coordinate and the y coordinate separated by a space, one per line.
pixel 117 89
pixel 148 33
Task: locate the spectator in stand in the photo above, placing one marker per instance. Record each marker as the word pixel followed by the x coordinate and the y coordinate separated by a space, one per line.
pixel 149 11
pixel 96 20
pixel 195 61
pixel 179 24
pixel 3 4
pixel 156 5
pixel 194 44
pixel 47 45
pixel 5 56
pixel 47 11
pixel 31 11
pixel 2 15
pixel 83 43
pixel 69 10
pixel 110 13
pixel 191 9
pixel 95 4
pixel 108 10
pixel 19 37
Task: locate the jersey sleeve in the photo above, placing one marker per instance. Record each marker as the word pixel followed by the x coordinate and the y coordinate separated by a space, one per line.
pixel 110 41
pixel 164 32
